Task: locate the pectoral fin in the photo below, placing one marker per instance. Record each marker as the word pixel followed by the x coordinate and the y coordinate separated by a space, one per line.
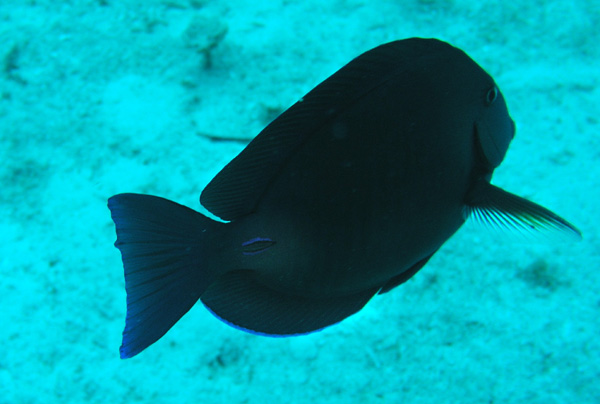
pixel 501 209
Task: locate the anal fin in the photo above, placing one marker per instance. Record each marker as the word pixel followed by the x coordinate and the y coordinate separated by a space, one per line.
pixel 241 301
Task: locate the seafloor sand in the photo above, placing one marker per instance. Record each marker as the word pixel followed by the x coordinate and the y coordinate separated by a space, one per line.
pixel 106 96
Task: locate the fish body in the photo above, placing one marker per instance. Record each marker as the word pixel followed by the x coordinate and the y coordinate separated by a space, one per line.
pixel 345 195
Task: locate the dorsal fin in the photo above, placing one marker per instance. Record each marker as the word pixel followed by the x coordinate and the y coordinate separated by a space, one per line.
pixel 237 189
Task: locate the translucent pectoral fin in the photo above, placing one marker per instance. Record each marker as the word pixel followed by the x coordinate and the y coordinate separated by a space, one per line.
pixel 498 208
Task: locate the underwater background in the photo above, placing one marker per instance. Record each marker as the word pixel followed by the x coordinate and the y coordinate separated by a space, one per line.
pixel 102 97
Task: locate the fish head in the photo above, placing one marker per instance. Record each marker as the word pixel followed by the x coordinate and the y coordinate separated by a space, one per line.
pixel 452 78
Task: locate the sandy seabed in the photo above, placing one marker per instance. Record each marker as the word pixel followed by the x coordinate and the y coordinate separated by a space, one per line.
pixel 102 97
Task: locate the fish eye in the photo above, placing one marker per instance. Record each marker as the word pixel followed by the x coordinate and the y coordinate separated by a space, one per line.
pixel 491 95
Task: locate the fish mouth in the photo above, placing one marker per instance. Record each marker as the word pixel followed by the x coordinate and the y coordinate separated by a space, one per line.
pixel 514 128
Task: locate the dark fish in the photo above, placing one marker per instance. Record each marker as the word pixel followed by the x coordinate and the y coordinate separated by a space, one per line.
pixel 346 195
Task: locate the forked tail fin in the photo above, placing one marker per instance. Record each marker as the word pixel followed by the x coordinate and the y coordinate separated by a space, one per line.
pixel 164 247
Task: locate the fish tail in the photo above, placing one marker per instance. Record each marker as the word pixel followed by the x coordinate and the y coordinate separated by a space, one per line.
pixel 164 247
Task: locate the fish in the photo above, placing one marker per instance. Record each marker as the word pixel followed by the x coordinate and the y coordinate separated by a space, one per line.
pixel 345 195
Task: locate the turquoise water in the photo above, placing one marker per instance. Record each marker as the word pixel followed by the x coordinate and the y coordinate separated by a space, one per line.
pixel 101 97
